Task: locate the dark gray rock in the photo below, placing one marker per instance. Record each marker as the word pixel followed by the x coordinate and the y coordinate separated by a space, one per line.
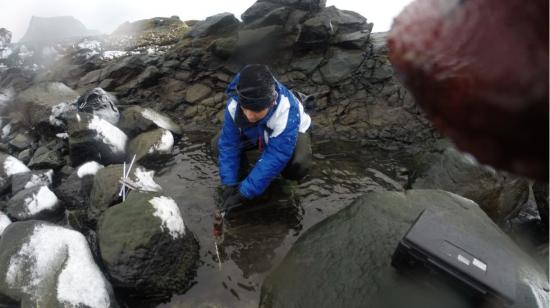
pixel 257 11
pixel 310 5
pixel 74 190
pixel 25 156
pixel 42 101
pixel 500 195
pixel 136 120
pixel 145 245
pixel 219 24
pixel 149 77
pixel 45 158
pixel 341 65
pixel 151 145
pixel 197 92
pixel 37 202
pixel 101 103
pixel 92 138
pixel 307 63
pixel 355 40
pixel 344 261
pixel 51 266
pixel 21 141
pixel 278 16
pixel 31 179
pixel 255 36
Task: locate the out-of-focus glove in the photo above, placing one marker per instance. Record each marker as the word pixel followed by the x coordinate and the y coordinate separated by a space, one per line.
pixel 228 191
pixel 232 202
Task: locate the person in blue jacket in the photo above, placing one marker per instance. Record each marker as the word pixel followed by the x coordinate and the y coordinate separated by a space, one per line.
pixel 261 113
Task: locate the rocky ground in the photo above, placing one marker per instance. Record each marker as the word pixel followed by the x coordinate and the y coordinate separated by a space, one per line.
pixel 77 116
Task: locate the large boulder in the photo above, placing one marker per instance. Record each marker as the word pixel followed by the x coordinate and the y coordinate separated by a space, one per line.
pixel 9 166
pixel 344 261
pixel 145 245
pixel 93 138
pixel 46 158
pixel 100 103
pixel 151 144
pixel 42 102
pixel 136 120
pixel 341 64
pixel 74 191
pixel 37 202
pixel 106 187
pixel 499 194
pixel 51 266
pixel 219 24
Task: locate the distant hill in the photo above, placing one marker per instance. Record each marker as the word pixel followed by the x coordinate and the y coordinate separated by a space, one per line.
pixel 157 24
pixel 55 28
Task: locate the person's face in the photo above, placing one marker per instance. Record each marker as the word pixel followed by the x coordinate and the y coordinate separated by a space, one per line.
pixel 255 116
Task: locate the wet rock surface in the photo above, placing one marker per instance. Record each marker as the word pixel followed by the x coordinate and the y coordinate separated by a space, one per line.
pixel 344 261
pixel 145 245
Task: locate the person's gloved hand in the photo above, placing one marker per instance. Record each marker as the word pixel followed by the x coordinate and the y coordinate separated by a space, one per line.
pixel 235 200
pixel 229 190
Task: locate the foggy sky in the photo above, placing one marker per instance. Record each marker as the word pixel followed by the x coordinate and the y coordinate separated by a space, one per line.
pixel 106 15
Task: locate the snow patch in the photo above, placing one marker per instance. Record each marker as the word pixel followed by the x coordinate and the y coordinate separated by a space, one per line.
pixel 86 44
pixel 144 180
pixel 42 200
pixel 164 145
pixel 6 130
pixel 89 168
pixel 4 222
pixel 169 213
pixel 109 134
pixel 113 54
pixel 57 112
pixel 40 179
pixel 51 249
pixel 62 135
pixel 13 166
pixel 157 118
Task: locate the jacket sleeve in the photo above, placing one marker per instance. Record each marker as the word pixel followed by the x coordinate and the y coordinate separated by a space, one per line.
pixel 229 151
pixel 275 157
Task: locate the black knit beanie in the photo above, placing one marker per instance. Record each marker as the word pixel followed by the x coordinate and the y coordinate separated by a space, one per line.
pixel 256 88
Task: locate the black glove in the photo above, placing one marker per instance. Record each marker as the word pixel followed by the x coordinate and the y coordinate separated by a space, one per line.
pixel 232 202
pixel 229 190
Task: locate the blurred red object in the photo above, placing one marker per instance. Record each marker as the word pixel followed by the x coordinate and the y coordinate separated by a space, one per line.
pixel 479 69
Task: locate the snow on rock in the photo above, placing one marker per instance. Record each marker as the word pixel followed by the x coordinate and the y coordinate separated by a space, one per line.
pixel 89 168
pixel 43 199
pixel 54 265
pixel 6 130
pixel 40 179
pixel 144 180
pixel 13 166
pixel 160 120
pixel 6 95
pixel 109 134
pixel 4 222
pixel 167 210
pixel 164 145
pixel 57 116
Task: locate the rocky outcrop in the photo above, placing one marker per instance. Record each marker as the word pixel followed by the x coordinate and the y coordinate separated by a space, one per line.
pixel 344 261
pixel 5 37
pixel 54 29
pixel 141 242
pixel 499 194
pixel 51 266
pixel 100 103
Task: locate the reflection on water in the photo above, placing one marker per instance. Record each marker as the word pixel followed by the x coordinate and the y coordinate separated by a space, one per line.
pixel 257 238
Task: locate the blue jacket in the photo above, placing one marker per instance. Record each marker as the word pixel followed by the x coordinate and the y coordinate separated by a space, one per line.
pixel 276 134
